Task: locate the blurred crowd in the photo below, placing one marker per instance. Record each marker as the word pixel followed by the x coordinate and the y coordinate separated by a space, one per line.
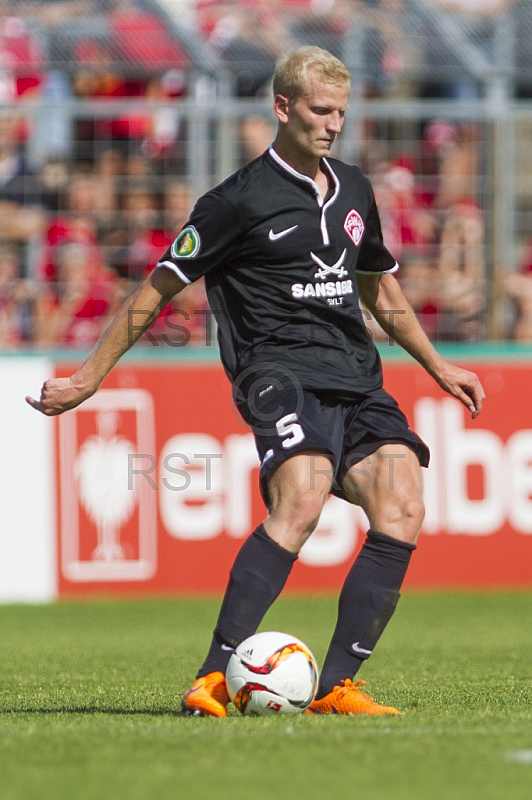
pixel 434 223
pixel 79 230
pixel 76 238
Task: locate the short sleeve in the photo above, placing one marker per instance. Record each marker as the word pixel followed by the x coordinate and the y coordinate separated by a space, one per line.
pixel 207 241
pixel 374 256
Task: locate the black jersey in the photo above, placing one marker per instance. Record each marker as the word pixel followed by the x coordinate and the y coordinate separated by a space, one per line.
pixel 280 269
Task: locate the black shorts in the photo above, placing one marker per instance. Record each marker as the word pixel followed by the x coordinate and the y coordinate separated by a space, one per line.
pixel 286 421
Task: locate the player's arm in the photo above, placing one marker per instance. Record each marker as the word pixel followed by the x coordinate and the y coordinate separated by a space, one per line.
pixel 383 297
pixel 132 319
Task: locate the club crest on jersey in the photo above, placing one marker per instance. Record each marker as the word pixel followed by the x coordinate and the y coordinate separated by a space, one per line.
pixel 354 226
pixel 187 243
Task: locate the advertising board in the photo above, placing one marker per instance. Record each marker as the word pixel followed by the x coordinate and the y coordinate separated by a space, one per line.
pixel 157 485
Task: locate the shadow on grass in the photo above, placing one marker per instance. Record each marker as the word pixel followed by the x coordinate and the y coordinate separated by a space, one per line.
pixel 93 709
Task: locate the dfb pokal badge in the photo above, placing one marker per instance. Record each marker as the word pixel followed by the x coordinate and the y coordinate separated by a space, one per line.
pixel 108 509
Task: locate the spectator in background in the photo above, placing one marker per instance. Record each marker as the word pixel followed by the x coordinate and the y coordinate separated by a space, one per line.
pixel 438 233
pixel 385 47
pixel 463 309
pixel 249 37
pixel 462 241
pixel 319 22
pixel 408 226
pixel 137 242
pixel 461 266
pixel 256 133
pixel 526 261
pixel 163 126
pixel 109 168
pixel 21 56
pixel 145 231
pixel 99 75
pixel 137 164
pixel 476 19
pixel 177 206
pixel 54 176
pixel 15 294
pixel 76 224
pixel 137 57
pixel 142 38
pixel 458 152
pixel 410 231
pixel 110 165
pixel 137 235
pixel 514 291
pixel 74 309
pixel 419 281
pixel 23 201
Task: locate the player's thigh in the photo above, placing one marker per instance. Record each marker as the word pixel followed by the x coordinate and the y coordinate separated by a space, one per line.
pixel 299 442
pixel 303 479
pixel 388 485
pixel 293 431
pixel 297 490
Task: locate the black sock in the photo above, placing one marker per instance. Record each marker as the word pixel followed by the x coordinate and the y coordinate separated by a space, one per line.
pixel 367 601
pixel 258 575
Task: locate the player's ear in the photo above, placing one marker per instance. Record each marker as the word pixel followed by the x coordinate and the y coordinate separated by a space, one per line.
pixel 280 107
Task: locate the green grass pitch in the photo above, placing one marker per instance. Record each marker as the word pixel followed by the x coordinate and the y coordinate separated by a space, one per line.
pixel 90 695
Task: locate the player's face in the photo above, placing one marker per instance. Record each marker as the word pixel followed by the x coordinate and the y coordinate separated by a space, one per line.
pixel 310 124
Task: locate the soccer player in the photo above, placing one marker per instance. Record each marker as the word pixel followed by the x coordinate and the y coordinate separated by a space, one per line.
pixel 288 246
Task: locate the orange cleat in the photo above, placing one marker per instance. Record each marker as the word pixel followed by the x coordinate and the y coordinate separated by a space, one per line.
pixel 348 699
pixel 207 697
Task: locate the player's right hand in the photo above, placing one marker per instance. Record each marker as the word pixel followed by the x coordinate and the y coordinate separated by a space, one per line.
pixel 58 395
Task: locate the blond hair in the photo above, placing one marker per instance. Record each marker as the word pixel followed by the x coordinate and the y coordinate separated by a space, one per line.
pixel 292 74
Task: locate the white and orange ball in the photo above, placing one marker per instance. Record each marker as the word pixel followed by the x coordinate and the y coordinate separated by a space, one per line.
pixel 272 673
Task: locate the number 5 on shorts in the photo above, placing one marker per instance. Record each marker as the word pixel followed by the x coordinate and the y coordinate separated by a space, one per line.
pixel 289 427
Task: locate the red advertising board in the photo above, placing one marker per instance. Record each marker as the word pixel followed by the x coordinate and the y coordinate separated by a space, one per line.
pixel 158 485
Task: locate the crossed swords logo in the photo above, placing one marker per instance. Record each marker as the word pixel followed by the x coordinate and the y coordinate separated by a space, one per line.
pixel 325 270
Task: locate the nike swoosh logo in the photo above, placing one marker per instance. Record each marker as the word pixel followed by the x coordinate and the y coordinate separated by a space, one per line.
pixel 274 236
pixel 360 650
pixel 227 647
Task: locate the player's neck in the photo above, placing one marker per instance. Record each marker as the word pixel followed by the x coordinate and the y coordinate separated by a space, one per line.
pixel 310 167
pixel 303 164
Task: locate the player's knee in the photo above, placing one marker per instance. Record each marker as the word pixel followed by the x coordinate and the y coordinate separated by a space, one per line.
pixel 414 510
pixel 405 513
pixel 308 508
pixel 298 513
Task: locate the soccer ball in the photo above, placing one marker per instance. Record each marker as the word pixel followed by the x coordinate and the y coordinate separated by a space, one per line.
pixel 272 673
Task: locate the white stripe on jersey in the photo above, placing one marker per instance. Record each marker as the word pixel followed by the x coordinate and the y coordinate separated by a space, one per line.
pixel 319 198
pixel 378 272
pixel 174 268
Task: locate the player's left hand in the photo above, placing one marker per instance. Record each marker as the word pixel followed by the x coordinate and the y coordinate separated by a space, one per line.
pixel 463 385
